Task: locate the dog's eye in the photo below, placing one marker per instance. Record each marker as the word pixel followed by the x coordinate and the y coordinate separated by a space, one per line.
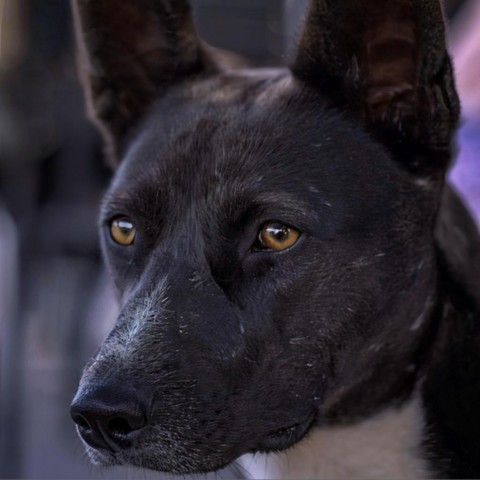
pixel 122 231
pixel 276 236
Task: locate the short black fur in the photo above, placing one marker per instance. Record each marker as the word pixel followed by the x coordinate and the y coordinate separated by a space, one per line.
pixel 223 348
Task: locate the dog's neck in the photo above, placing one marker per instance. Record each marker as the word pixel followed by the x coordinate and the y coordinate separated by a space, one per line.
pixel 450 387
pixel 387 445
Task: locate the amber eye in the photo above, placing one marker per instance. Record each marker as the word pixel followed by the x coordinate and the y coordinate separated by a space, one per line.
pixel 122 231
pixel 276 236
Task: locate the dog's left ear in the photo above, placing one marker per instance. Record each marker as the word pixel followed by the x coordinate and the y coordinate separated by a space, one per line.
pixel 386 62
pixel 131 52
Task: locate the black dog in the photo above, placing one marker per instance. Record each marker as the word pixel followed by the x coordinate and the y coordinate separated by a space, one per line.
pixel 291 267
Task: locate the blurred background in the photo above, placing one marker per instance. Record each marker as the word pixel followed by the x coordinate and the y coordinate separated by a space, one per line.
pixel 56 304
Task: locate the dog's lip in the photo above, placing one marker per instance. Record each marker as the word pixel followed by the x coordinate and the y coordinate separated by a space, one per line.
pixel 285 437
pixel 91 442
pixel 100 456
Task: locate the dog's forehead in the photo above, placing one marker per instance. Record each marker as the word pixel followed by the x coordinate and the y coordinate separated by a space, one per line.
pixel 226 116
pixel 259 131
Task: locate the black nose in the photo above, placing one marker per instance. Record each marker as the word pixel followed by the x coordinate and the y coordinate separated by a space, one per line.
pixel 109 416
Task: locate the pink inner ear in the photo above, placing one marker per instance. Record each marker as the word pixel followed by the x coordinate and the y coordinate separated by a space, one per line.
pixel 389 66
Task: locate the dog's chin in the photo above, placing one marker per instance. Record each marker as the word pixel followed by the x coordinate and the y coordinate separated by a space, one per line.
pixel 101 458
pixel 180 465
pixel 185 465
pixel 152 458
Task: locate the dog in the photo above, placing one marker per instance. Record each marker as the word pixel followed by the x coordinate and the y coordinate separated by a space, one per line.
pixel 293 271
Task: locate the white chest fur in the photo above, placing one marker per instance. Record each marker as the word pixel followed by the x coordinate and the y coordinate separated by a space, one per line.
pixel 384 446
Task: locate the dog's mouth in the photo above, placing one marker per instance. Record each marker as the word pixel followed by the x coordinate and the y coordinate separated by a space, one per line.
pixel 285 437
pixel 277 440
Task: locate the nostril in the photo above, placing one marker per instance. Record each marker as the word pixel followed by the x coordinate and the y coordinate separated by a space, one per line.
pixel 119 426
pixel 80 421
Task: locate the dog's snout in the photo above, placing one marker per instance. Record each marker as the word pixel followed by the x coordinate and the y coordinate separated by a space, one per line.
pixel 109 417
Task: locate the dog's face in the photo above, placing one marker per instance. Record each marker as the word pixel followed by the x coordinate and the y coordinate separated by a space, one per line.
pixel 270 233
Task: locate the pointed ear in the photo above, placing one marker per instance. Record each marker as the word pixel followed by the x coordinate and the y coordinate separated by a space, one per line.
pixel 386 61
pixel 131 51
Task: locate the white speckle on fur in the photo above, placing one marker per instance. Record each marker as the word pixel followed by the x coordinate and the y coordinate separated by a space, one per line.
pixel 384 446
pixel 147 309
pixel 364 261
pixel 297 340
pixel 418 322
pixel 422 317
pixel 423 183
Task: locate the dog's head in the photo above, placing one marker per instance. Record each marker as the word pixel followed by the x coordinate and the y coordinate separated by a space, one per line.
pixel 270 232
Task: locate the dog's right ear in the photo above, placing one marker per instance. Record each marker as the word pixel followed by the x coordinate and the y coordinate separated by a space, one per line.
pixel 131 51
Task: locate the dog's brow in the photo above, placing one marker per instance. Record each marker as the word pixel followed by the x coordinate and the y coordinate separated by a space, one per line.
pixel 111 206
pixel 126 200
pixel 285 206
